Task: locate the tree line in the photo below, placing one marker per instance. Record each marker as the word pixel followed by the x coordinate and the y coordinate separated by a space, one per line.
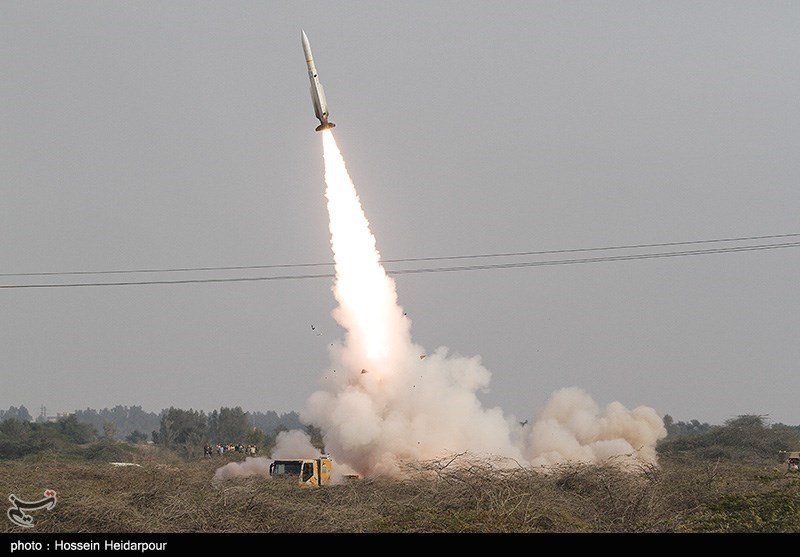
pixel 185 431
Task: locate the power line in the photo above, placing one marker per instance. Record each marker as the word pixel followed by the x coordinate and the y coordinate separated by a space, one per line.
pixel 600 259
pixel 606 248
pixel 604 259
pixel 404 260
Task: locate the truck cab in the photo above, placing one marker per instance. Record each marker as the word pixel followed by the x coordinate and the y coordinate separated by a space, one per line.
pixel 793 461
pixel 307 472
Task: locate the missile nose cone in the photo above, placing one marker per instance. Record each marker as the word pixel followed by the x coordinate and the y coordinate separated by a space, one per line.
pixel 306 46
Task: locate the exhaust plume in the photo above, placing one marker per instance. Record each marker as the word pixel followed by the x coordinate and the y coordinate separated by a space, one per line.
pixel 391 401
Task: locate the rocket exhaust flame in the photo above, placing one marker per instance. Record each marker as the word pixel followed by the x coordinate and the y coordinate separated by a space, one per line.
pixel 366 294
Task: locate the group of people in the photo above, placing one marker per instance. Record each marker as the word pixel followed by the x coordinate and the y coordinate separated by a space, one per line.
pixel 222 448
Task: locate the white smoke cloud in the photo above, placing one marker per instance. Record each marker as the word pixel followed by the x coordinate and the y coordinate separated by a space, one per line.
pixel 389 402
pixel 572 428
pixel 294 444
pixel 252 466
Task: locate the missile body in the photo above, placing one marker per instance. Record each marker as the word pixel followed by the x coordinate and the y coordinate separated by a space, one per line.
pixel 317 93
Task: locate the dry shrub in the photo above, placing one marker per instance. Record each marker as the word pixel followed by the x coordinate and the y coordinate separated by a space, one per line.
pixel 460 493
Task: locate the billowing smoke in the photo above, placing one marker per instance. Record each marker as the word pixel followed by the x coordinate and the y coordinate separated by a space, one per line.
pixel 391 401
pixel 294 444
pixel 252 466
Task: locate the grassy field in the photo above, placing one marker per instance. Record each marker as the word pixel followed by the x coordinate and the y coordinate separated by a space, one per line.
pixel 167 494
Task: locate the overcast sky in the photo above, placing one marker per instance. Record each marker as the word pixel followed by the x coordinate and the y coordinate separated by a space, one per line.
pixel 180 135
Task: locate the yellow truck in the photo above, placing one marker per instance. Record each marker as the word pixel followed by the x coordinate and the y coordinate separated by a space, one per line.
pixel 792 459
pixel 307 472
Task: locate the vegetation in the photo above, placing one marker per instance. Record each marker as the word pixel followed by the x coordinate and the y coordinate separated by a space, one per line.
pixel 182 430
pixel 719 479
pixel 745 439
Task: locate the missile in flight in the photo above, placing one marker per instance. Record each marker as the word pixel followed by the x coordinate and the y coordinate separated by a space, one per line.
pixel 317 93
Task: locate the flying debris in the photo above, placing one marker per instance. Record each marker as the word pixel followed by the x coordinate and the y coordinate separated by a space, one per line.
pixel 317 93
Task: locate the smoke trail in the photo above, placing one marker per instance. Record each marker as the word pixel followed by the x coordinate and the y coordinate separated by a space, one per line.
pixel 391 401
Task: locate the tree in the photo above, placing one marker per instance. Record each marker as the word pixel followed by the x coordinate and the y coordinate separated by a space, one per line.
pixel 109 429
pixel 684 428
pixel 233 425
pixel 124 419
pixel 213 427
pixel 268 421
pixel 256 437
pixel 185 430
pixel 744 439
pixel 13 427
pixel 136 437
pixel 20 414
pixel 315 434
pixel 76 431
pixel 19 439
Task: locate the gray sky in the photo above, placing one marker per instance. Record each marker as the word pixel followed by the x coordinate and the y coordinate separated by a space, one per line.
pixel 180 135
